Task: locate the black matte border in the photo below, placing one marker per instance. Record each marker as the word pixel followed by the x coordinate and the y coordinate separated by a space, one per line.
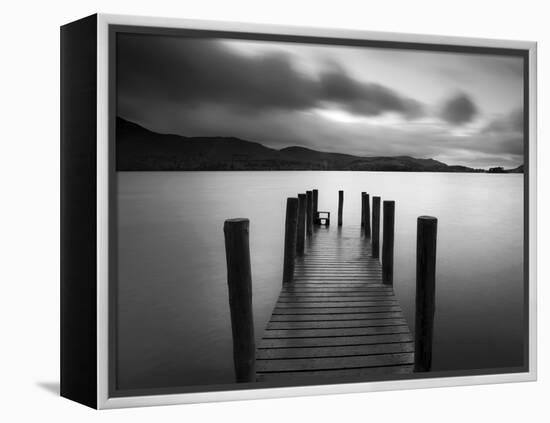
pixel 199 33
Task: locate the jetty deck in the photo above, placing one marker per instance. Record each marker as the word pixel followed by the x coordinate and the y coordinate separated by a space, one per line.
pixel 336 318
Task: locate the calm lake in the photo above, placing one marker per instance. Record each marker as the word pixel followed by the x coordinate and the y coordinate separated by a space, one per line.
pixel 173 313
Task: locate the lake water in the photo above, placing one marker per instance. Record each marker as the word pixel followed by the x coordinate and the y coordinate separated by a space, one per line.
pixel 173 313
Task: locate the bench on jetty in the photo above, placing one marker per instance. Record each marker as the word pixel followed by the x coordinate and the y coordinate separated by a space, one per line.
pixel 337 315
pixel 322 218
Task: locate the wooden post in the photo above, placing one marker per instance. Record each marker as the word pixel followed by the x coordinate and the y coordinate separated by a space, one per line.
pixel 300 241
pixel 340 206
pixel 309 213
pixel 375 227
pixel 363 208
pixel 426 241
pixel 387 243
pixel 367 215
pixel 291 226
pixel 239 281
pixel 315 203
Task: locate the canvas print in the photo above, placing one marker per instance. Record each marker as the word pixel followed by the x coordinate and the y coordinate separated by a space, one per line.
pixel 295 211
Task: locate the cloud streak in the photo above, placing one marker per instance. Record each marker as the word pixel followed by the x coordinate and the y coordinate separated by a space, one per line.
pixel 206 71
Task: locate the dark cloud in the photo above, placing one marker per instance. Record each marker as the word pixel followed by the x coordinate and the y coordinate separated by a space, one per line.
pixel 459 109
pixel 366 99
pixel 193 72
pixel 512 122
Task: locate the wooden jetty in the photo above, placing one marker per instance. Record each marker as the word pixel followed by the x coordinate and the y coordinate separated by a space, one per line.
pixel 336 318
pixel 337 315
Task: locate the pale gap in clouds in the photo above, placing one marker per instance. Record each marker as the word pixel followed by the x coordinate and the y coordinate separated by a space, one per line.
pixel 459 108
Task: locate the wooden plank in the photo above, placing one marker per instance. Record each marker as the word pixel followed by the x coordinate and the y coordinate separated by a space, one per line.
pixel 344 256
pixel 334 317
pixel 313 268
pixel 365 277
pixel 335 288
pixel 349 283
pixel 351 350
pixel 335 310
pixel 336 291
pixel 328 292
pixel 356 274
pixel 335 272
pixel 338 283
pixel 404 336
pixel 330 363
pixel 315 286
pixel 330 265
pixel 335 333
pixel 334 299
pixel 338 275
pixel 334 295
pixel 330 273
pixel 371 283
pixel 322 268
pixel 367 281
pixel 327 304
pixel 372 373
pixel 337 324
pixel 330 289
pixel 332 270
pixel 355 261
pixel 326 276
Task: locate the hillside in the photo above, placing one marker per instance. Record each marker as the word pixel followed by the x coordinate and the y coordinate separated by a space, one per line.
pixel 139 149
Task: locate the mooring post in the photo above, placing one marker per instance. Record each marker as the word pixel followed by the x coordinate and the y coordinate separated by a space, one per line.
pixel 309 213
pixel 375 227
pixel 291 227
pixel 315 204
pixel 426 242
pixel 340 206
pixel 363 208
pixel 387 242
pixel 300 240
pixel 367 215
pixel 239 281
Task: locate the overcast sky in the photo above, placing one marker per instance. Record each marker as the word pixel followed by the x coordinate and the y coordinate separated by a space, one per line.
pixel 458 108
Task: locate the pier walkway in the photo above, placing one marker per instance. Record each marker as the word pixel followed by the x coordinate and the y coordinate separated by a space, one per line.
pixel 336 318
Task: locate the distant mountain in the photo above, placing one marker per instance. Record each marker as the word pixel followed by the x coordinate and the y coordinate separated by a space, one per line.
pixel 138 148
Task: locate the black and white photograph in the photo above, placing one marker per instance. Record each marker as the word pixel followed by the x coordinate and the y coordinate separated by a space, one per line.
pixel 268 212
pixel 294 211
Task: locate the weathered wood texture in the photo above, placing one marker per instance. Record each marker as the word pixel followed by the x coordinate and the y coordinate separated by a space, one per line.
pixel 239 282
pixel 340 206
pixel 291 228
pixel 363 208
pixel 387 242
pixel 366 219
pixel 426 241
pixel 336 319
pixel 315 193
pixel 301 228
pixel 309 213
pixel 376 227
